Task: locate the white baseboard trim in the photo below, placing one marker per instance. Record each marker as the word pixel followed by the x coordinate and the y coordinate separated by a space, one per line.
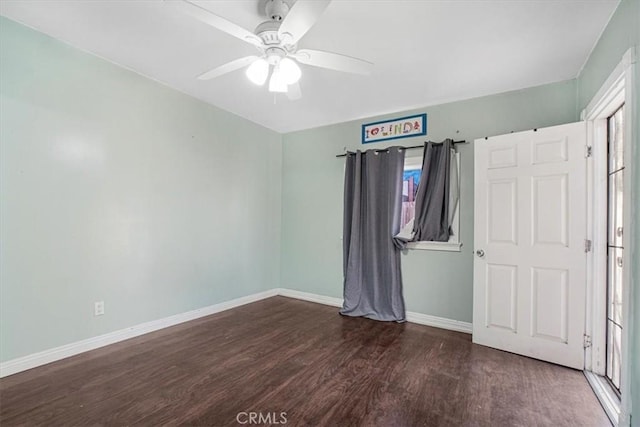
pixel 30 361
pixel 413 317
pixel 439 322
pixel 306 296
pixel 34 360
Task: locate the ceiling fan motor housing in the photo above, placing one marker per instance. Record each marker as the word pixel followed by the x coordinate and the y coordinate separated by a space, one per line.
pixel 276 9
pixel 268 33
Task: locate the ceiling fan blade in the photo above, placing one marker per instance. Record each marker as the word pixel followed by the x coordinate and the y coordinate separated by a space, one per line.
pixel 294 93
pixel 333 61
pixel 301 17
pixel 228 67
pixel 215 21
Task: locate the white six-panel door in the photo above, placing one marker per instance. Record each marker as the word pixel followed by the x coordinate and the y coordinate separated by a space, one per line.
pixel 530 227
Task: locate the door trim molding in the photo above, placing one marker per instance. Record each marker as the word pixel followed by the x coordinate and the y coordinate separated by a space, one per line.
pixel 607 91
pixel 605 396
pixel 619 87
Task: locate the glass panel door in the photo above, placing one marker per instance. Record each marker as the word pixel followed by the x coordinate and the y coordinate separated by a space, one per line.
pixel 615 249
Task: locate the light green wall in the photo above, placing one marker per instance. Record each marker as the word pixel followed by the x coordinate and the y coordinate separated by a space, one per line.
pixel 622 33
pixel 435 283
pixel 116 188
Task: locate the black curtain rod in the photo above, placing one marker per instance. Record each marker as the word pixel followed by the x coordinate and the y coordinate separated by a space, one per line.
pixel 404 148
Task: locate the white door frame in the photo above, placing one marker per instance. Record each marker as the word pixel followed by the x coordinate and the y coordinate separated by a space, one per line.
pixel 618 88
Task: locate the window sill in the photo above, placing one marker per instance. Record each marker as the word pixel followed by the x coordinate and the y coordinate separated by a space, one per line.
pixel 435 246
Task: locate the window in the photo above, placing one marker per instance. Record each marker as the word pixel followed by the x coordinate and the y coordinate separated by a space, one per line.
pixel 410 181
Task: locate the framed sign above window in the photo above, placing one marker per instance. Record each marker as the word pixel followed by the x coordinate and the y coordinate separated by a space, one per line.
pixel 403 127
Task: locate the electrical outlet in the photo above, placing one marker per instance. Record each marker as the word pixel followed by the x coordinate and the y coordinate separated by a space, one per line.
pixel 98 308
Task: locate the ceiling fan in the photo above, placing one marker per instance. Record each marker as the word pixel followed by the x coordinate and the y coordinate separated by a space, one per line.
pixel 276 40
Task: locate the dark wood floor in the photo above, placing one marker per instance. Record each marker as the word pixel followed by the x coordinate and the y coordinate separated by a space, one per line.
pixel 283 355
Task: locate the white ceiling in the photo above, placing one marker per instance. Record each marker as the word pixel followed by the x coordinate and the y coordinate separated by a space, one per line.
pixel 425 52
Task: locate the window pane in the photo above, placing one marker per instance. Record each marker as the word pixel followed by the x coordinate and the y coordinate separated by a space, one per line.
pixel 614 350
pixel 609 348
pixel 615 252
pixel 614 284
pixel 615 220
pixel 410 180
pixel 616 140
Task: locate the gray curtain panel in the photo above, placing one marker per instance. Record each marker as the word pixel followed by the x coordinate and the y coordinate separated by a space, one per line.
pixel 432 218
pixel 372 206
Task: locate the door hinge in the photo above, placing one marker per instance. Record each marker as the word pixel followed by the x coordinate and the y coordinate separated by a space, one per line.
pixel 588 151
pixel 586 342
pixel 587 245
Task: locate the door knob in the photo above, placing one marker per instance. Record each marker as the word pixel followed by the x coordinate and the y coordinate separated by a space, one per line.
pixel 480 253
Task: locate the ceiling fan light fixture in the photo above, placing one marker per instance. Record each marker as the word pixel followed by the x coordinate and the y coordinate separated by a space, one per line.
pixel 277 40
pixel 291 72
pixel 277 83
pixel 258 71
